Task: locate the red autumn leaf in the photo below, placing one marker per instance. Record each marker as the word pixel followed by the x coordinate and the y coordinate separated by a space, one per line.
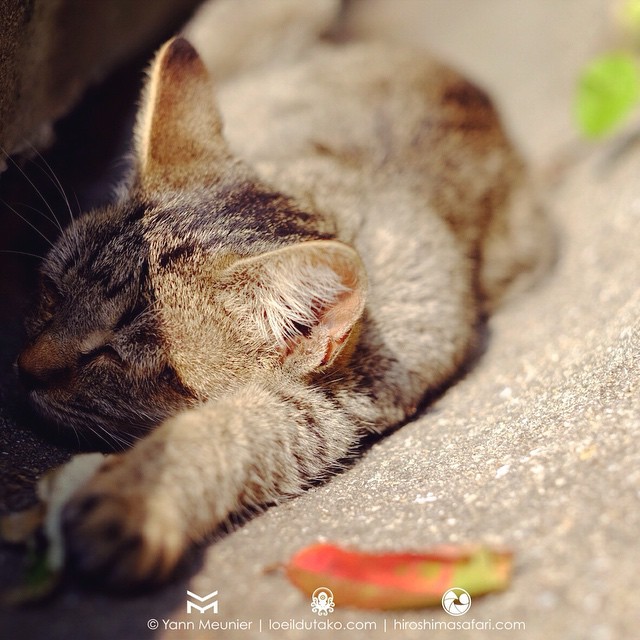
pixel 398 580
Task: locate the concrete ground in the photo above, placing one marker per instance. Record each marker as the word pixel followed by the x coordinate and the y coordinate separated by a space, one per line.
pixel 535 449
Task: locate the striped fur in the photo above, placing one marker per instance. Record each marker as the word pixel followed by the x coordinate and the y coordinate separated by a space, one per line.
pixel 284 272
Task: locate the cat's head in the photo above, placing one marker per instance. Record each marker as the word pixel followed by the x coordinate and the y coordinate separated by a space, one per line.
pixel 197 279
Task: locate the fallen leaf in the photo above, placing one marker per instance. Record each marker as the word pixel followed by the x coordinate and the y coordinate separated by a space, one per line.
pixel 398 580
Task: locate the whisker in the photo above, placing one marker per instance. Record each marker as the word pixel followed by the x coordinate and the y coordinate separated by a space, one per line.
pixel 54 222
pixel 15 164
pixel 76 227
pixel 111 440
pixel 53 177
pixel 22 253
pixel 117 439
pixel 27 221
pixel 75 431
pixel 125 440
pixel 56 181
pixel 99 435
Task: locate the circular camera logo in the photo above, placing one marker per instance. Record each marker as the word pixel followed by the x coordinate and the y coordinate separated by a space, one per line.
pixel 456 601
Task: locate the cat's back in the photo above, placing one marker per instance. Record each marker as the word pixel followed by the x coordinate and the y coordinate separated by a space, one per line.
pixel 371 103
pixel 375 118
pixel 372 131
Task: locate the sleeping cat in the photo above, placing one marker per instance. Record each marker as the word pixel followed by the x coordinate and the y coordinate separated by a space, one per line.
pixel 281 274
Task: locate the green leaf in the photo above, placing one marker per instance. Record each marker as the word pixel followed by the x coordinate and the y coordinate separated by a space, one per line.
pixel 629 17
pixel 608 89
pixel 39 583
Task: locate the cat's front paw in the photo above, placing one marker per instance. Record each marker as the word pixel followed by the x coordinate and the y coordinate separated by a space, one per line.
pixel 118 533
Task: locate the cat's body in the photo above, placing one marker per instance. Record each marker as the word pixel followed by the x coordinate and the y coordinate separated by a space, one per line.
pixel 263 319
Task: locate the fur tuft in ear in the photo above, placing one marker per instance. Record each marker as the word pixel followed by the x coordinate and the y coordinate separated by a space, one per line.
pixel 179 130
pixel 305 299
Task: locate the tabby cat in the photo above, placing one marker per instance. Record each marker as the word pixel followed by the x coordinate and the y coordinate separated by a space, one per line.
pixel 265 292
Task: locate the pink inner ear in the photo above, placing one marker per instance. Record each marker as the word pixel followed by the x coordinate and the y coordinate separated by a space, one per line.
pixel 304 298
pixel 339 319
pixel 341 316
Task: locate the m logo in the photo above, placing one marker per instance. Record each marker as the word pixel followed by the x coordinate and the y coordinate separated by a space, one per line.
pixel 212 605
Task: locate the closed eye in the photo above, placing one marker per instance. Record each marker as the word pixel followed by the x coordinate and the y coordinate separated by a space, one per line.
pixel 105 350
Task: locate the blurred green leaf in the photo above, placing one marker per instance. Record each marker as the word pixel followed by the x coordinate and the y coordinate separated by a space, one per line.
pixel 40 581
pixel 629 17
pixel 608 89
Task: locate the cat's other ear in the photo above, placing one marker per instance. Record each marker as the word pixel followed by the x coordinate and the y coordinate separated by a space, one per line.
pixel 305 299
pixel 179 130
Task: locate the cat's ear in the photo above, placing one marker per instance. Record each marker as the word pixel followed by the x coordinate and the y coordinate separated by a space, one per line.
pixel 305 299
pixel 179 130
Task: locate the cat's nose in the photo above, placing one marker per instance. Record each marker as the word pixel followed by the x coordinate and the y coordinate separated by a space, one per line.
pixel 43 364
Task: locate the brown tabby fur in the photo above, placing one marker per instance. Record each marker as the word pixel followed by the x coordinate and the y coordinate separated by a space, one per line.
pixel 278 278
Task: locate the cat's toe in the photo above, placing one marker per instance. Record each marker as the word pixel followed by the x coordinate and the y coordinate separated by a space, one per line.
pixel 118 540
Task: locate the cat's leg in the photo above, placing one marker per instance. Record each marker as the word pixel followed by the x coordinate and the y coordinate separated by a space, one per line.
pixel 422 311
pixel 134 520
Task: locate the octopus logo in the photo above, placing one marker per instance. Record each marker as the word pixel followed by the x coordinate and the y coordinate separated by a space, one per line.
pixel 322 601
pixel 456 601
